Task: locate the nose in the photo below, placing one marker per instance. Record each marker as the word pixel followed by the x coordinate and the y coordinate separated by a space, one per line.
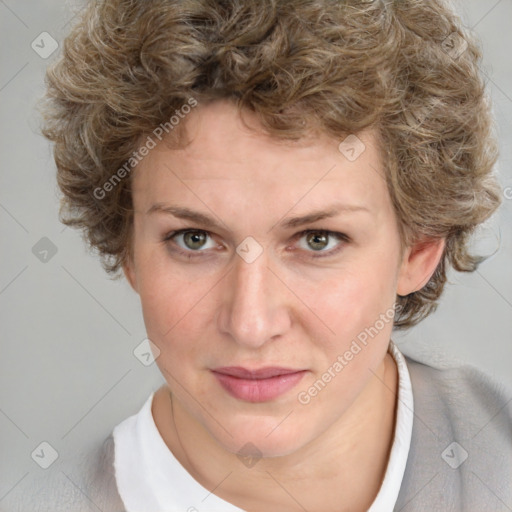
pixel 254 306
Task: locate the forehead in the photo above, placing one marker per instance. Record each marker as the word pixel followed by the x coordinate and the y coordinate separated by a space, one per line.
pixel 224 155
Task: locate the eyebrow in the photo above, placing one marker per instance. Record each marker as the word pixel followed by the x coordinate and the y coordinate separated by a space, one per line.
pixel 288 223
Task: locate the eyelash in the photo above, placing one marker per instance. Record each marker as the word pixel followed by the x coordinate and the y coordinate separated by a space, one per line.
pixel 320 254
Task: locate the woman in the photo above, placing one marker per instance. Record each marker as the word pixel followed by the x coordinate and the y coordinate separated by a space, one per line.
pixel 282 183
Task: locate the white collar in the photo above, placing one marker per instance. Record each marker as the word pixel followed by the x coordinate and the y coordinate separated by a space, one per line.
pixel 151 479
pixel 390 487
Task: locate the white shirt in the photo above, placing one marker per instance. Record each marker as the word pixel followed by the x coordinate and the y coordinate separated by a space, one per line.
pixel 151 479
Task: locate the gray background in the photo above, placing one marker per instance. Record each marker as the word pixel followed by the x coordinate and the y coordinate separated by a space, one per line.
pixel 68 373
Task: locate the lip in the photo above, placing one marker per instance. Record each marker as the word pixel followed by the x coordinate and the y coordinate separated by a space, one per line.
pixel 258 385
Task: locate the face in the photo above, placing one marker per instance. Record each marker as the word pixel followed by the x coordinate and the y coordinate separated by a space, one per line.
pixel 258 264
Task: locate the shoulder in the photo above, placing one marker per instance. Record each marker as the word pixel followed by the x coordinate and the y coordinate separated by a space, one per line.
pixel 82 480
pixel 460 455
pixel 465 394
pixel 101 479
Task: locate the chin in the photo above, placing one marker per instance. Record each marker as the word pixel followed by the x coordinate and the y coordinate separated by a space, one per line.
pixel 261 437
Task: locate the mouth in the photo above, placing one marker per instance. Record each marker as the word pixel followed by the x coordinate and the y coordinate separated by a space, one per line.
pixel 259 385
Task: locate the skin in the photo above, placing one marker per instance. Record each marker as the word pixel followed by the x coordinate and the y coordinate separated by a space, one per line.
pixel 286 308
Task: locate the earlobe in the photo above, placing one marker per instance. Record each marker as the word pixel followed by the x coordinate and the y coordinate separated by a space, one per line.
pixel 419 263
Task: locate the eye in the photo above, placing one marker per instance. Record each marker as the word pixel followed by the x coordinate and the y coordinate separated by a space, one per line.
pixel 191 240
pixel 325 243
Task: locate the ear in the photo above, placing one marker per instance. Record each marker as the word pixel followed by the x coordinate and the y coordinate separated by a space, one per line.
pixel 419 263
pixel 129 273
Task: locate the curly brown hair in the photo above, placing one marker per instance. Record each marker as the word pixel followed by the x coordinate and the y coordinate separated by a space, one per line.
pixel 407 68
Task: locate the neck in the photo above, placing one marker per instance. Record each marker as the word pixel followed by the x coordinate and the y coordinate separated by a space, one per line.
pixel 346 464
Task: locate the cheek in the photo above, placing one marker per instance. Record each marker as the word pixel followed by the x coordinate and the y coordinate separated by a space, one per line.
pixel 170 304
pixel 165 293
pixel 354 300
pixel 173 322
pixel 359 311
